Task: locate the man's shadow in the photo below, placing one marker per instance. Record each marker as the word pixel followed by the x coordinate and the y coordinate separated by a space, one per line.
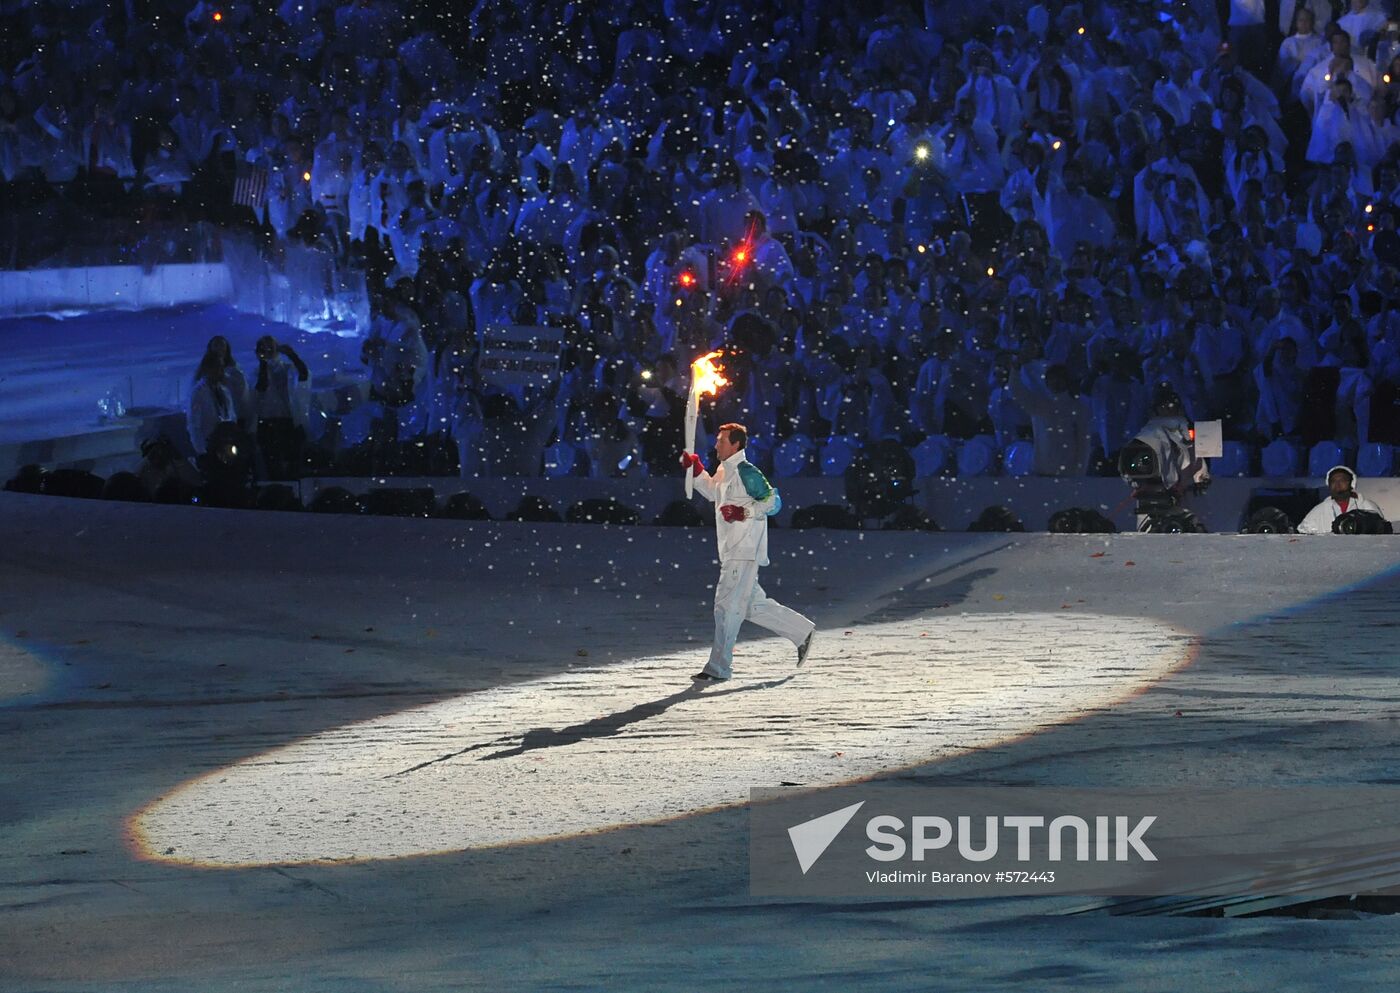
pixel 606 726
pixel 611 724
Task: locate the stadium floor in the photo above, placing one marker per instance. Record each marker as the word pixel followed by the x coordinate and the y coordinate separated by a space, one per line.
pixel 198 706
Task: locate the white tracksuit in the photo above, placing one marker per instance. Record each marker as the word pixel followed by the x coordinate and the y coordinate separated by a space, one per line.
pixel 1320 518
pixel 743 548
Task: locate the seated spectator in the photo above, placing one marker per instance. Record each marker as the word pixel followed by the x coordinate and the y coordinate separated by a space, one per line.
pixel 1363 22
pixel 1299 52
pixel 1291 10
pixel 167 169
pixel 1334 122
pixel 107 143
pixel 163 469
pixel 725 208
pixel 1373 135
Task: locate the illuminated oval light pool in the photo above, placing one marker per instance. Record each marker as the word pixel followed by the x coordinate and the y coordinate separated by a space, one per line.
pixel 635 742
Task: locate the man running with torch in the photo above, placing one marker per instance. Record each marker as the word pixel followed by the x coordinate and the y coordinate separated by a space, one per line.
pixel 745 501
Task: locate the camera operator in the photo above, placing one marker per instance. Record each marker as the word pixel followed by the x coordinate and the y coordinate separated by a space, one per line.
pixel 1341 498
pixel 1164 446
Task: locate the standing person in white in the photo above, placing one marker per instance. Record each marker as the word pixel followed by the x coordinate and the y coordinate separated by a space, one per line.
pixel 279 397
pixel 745 501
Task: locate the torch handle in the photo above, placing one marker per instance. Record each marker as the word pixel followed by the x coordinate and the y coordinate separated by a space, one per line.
pixel 692 412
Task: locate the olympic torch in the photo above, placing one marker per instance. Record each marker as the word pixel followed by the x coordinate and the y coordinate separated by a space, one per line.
pixel 706 376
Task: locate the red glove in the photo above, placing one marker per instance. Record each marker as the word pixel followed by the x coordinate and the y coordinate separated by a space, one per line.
pixel 732 512
pixel 693 461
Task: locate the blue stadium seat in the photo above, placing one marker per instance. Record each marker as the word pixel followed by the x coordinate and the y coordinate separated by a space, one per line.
pixel 760 453
pixel 932 455
pixel 796 456
pixel 838 453
pixel 1324 455
pixel 1375 459
pixel 1019 458
pixel 1280 459
pixel 1235 462
pixel 978 457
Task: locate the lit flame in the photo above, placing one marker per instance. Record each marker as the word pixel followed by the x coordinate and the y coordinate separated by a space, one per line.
pixel 707 375
pixel 306 176
pixel 218 16
pixel 687 279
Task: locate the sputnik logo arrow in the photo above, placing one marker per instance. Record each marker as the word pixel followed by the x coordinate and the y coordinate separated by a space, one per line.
pixel 811 838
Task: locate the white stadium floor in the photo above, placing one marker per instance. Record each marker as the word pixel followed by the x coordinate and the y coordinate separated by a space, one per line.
pixel 281 751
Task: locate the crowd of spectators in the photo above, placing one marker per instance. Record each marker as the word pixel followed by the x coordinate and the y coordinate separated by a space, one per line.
pixel 1008 220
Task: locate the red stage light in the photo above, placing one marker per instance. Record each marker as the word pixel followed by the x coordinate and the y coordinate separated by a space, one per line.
pixel 687 279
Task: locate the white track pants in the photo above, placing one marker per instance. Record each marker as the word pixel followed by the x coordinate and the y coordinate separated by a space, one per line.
pixel 739 598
